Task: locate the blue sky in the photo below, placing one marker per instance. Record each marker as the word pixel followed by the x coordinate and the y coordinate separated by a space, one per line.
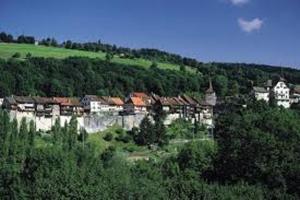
pixel 252 31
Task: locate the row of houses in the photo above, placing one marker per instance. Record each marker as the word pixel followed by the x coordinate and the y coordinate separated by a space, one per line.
pixel 182 106
pixel 280 92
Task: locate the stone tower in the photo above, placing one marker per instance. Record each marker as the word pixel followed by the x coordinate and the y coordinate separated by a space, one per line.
pixel 210 95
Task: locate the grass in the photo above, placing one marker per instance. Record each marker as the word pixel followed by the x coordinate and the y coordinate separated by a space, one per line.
pixel 7 50
pixel 100 144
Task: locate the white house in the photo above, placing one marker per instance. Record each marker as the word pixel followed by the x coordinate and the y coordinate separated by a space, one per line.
pixel 281 94
pixel 95 104
pixel 261 93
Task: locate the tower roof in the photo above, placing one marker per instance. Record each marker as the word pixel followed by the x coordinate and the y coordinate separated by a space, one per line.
pixel 210 88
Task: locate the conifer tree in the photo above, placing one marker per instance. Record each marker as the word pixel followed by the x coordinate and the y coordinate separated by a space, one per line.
pixel 31 133
pixel 146 134
pixel 72 133
pixel 56 130
pixel 23 130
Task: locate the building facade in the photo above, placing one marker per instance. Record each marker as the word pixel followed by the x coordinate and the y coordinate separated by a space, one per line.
pixel 279 93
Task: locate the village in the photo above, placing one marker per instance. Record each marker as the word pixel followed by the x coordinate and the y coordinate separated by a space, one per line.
pixel 96 113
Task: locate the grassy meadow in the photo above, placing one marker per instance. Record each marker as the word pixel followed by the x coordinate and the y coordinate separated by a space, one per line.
pixel 7 50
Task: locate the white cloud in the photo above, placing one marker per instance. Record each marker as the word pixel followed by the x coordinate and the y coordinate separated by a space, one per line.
pixel 250 25
pixel 239 2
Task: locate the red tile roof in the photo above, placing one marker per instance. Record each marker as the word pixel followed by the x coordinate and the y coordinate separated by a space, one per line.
pixel 137 101
pixel 67 101
pixel 139 94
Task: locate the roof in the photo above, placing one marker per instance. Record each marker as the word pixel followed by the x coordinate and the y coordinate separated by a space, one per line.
pixel 11 100
pixel 297 89
pixel 154 97
pixel 139 94
pixel 44 100
pixel 23 99
pixel 93 97
pixel 67 101
pixel 282 79
pixel 189 100
pixel 210 88
pixel 205 103
pixel 117 101
pixel 165 101
pixel 137 101
pixel 260 90
pixel 269 83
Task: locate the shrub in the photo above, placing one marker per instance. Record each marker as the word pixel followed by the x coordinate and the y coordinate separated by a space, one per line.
pixel 16 55
pixel 119 131
pixel 123 138
pixel 108 137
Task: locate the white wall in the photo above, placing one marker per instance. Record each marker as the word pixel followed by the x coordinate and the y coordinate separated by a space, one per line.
pixel 262 96
pixel 282 94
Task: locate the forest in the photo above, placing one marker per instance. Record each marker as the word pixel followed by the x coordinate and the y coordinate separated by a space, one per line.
pixel 77 76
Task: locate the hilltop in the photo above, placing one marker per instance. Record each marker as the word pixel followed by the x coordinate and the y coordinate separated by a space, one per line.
pixel 7 50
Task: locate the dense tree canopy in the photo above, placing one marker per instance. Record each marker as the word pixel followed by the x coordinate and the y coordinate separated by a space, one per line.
pixel 260 144
pixel 79 76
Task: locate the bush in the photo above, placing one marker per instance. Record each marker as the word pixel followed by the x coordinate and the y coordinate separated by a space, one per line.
pixel 16 55
pixel 123 138
pixel 28 55
pixel 108 137
pixel 130 148
pixel 119 131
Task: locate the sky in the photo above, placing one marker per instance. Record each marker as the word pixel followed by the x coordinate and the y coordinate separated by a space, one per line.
pixel 250 31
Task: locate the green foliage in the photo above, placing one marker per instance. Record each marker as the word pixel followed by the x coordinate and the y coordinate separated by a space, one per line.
pixel 52 77
pixel 109 57
pixel 182 129
pixel 65 169
pixel 146 135
pixel 16 55
pixel 260 146
pixel 197 156
pixel 108 137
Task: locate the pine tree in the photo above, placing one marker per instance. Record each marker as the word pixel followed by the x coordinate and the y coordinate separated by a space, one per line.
pixel 146 134
pixel 72 133
pixel 23 130
pixel 56 130
pixel 31 134
pixel 161 133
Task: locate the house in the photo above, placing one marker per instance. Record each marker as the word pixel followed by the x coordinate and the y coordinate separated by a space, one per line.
pixel 261 93
pixel 116 104
pixel 147 99
pixel 45 106
pixel 96 104
pixel 295 94
pixel 206 114
pixel 93 104
pixel 69 106
pixel 19 103
pixel 281 93
pixel 135 105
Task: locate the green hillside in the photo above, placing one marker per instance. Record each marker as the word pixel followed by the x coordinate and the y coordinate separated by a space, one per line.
pixel 7 50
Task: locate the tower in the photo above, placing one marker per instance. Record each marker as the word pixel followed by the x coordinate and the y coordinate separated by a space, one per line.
pixel 210 95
